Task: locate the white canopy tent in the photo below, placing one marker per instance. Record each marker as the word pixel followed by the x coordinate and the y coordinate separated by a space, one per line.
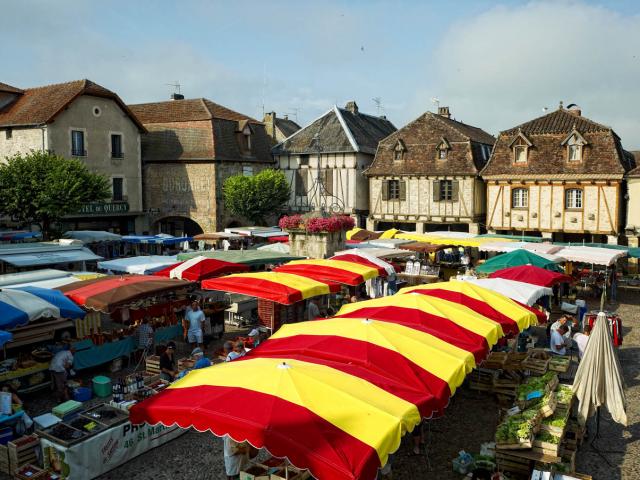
pixel 521 292
pixel 90 236
pixel 595 255
pixel 379 252
pixel 139 265
pixel 538 248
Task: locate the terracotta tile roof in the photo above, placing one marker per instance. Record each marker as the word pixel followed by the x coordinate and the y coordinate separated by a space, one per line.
pixel 199 129
pixel 188 110
pixel 636 171
pixel 602 155
pixel 338 130
pixel 40 105
pixel 8 88
pixel 469 148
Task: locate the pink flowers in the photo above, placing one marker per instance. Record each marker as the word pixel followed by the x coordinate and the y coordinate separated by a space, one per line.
pixel 333 223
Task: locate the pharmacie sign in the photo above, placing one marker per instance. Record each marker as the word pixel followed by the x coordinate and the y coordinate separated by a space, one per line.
pixel 102 208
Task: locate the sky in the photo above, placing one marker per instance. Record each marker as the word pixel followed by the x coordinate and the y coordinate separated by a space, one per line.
pixel 496 64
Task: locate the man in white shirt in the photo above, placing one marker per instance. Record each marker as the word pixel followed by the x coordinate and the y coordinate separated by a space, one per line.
pixel 237 352
pixel 564 320
pixel 581 340
pixel 558 343
pixel 236 457
pixel 313 311
pixel 60 364
pixel 195 319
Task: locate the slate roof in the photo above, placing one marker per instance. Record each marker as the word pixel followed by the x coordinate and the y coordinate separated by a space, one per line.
pixel 469 148
pixel 636 171
pixel 40 105
pixel 184 111
pixel 8 88
pixel 339 130
pixel 199 129
pixel 286 126
pixel 602 155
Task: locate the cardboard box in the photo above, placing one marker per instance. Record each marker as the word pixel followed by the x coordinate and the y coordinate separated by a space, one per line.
pixel 255 472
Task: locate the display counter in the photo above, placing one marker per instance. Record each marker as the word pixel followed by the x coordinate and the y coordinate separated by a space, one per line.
pixel 28 379
pixel 105 450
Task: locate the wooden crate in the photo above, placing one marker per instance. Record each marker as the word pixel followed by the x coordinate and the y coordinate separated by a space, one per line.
pixel 30 472
pixel 482 379
pixel 514 361
pixel 546 448
pixel 523 444
pixel 495 360
pixel 4 459
pixel 23 450
pixel 152 364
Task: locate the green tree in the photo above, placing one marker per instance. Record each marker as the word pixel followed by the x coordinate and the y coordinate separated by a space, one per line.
pixel 42 188
pixel 256 198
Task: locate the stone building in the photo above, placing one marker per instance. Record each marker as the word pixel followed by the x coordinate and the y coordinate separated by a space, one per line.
pixel 632 228
pixel 425 176
pixel 325 161
pixel 192 146
pixel 559 176
pixel 279 128
pixel 82 120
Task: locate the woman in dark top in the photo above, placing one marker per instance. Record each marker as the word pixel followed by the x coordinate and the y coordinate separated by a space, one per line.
pixel 168 364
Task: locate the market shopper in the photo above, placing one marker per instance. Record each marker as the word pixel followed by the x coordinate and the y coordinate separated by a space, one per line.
pixel 195 319
pixel 313 311
pixel 25 422
pixel 60 367
pixel 558 343
pixel 581 340
pixel 168 369
pixel 236 457
pixel 201 359
pixel 145 335
pixel 237 352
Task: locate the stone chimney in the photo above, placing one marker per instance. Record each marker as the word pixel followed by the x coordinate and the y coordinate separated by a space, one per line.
pixel 177 96
pixel 269 121
pixel 574 109
pixel 351 106
pixel 444 111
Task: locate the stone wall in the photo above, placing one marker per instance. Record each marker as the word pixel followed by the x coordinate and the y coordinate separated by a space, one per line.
pixel 21 140
pixel 316 245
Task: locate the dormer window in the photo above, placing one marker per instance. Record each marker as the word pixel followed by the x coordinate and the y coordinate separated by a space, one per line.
pixel 442 150
pixel 520 146
pixel 246 131
pixel 398 151
pixel 574 143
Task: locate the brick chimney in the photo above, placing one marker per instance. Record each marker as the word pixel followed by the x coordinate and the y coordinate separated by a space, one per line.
pixel 351 106
pixel 177 96
pixel 270 124
pixel 444 111
pixel 574 109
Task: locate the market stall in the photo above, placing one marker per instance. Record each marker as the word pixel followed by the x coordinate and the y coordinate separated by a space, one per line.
pixel 522 292
pixel 341 392
pixel 521 257
pixel 253 258
pixel 505 247
pixel 200 268
pixel 124 301
pixel 142 265
pixel 21 256
pixel 346 272
pixel 532 274
pixel 105 244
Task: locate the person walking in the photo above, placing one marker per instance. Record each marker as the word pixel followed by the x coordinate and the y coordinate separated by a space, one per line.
pixel 236 457
pixel 195 322
pixel 60 367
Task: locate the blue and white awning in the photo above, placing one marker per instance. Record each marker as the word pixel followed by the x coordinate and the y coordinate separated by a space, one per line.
pixel 19 306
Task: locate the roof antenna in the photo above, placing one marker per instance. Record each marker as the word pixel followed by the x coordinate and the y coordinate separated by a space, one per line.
pixel 378 102
pixel 176 95
pixel 436 102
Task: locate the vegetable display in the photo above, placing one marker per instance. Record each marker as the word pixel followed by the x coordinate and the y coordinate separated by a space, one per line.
pixel 564 393
pixel 517 428
pixel 534 384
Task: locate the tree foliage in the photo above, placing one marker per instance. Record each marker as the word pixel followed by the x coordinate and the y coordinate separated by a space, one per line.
pixel 42 187
pixel 257 197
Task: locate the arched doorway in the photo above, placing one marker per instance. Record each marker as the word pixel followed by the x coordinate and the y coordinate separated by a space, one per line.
pixel 178 226
pixel 233 224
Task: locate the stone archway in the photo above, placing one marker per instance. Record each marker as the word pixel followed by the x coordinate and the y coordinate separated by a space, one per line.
pixel 178 226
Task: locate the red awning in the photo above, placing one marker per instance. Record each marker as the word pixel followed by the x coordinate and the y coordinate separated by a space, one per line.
pixel 201 268
pixel 533 275
pixel 279 239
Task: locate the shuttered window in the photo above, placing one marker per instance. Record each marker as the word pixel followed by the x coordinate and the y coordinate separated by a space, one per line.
pixel 302 183
pixel 326 177
pixel 394 190
pixel 445 191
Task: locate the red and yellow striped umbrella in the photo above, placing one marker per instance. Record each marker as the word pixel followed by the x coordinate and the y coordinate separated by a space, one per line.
pixel 284 288
pixel 349 273
pixel 512 316
pixel 336 395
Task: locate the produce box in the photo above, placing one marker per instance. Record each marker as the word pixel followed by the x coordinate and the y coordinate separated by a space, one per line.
pixel 255 472
pixel 30 472
pixel 535 388
pixel 67 409
pixel 495 360
pixel 482 379
pixel 555 424
pixel 517 431
pixel 559 363
pixel 292 474
pixel 537 361
pixel 152 364
pixel 514 361
pixel 106 414
pixel 22 451
pixel 547 443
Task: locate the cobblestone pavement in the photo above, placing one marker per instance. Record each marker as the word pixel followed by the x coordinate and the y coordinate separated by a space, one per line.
pixel 470 420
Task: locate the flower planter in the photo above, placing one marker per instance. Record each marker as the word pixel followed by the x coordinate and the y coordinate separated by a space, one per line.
pixel 317 244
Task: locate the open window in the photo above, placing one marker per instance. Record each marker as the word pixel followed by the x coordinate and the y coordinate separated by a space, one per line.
pixel 442 150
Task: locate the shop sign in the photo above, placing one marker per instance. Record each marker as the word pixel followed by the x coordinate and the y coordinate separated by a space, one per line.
pixel 104 208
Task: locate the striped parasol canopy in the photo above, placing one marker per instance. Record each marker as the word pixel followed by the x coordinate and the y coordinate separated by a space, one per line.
pixel 346 272
pixel 279 287
pixel 336 395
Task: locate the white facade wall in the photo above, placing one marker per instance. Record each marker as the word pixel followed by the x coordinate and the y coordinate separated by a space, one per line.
pixel 546 210
pixel 22 140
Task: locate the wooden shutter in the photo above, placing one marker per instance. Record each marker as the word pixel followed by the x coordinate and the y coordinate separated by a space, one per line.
pixel 385 189
pixel 436 190
pixel 327 181
pixel 403 190
pixel 454 191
